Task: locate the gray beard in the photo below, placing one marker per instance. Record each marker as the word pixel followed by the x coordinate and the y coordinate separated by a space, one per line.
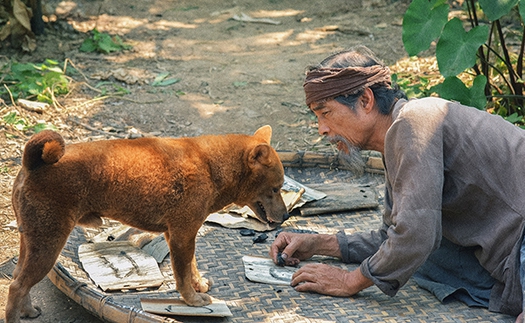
pixel 351 158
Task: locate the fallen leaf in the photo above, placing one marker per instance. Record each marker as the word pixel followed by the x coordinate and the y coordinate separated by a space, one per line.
pixel 119 74
pixel 5 31
pixel 29 43
pixel 38 107
pixel 22 14
pixel 328 28
pixel 271 82
pixel 124 76
pixel 245 18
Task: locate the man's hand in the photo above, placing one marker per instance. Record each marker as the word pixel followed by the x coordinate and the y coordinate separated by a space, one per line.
pixel 300 246
pixel 294 247
pixel 328 280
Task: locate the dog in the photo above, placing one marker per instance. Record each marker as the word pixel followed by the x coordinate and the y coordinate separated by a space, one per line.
pixel 167 185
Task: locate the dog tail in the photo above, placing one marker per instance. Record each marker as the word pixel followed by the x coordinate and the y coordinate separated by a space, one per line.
pixel 46 147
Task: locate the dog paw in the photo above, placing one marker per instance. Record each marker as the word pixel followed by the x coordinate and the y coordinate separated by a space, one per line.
pixel 199 299
pixel 30 312
pixel 202 285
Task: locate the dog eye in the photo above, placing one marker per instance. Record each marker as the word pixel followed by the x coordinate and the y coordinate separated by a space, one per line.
pixel 276 190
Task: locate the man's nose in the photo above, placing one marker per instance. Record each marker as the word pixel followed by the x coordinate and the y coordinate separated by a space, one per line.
pixel 322 128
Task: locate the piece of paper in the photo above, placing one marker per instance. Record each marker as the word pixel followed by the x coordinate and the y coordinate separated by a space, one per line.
pixel 238 221
pixel 309 194
pixel 178 307
pixel 263 270
pixel 111 233
pixel 118 265
pixel 157 248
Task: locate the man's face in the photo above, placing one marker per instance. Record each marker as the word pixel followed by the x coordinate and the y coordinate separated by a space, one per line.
pixel 344 127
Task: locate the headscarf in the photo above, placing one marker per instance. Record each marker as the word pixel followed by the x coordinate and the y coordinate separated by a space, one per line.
pixel 327 83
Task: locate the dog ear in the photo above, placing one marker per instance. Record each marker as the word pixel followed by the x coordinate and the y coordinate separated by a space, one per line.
pixel 261 154
pixel 265 133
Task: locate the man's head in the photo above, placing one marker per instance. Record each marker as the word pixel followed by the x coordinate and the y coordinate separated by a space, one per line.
pixel 351 94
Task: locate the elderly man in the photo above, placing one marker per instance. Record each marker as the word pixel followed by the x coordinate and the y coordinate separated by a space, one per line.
pixel 455 186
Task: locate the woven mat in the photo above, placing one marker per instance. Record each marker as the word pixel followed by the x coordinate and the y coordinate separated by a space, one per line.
pixel 219 255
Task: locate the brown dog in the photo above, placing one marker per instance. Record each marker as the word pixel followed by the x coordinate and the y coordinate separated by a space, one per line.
pixel 154 184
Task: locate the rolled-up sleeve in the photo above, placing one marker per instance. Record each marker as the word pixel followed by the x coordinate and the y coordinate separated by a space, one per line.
pixel 356 248
pixel 403 252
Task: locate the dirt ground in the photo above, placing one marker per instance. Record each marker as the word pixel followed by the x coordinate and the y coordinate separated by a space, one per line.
pixel 234 77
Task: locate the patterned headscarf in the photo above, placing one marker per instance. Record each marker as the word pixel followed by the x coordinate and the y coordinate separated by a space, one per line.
pixel 327 83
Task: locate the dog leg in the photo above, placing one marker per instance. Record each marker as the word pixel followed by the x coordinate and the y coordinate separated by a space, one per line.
pixel 24 308
pixel 19 301
pixel 37 257
pixel 182 255
pixel 198 282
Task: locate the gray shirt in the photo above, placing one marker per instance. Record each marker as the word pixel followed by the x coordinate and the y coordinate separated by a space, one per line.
pixel 451 171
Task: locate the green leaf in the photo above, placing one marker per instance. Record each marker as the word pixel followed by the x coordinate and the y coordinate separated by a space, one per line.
pixel 454 89
pixel 96 33
pixel 456 49
pixel 103 83
pixel 15 121
pixel 522 10
pixel 422 24
pixel 160 77
pixel 21 68
pixel 41 80
pixel 513 118
pixel 88 46
pixel 167 82
pixel 103 42
pixel 55 69
pixel 121 43
pixel 107 45
pixel 51 62
pixel 161 80
pixel 43 126
pixel 240 83
pixel 495 9
pixel 10 118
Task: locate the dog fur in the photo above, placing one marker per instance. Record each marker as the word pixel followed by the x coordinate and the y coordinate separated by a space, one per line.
pixel 154 184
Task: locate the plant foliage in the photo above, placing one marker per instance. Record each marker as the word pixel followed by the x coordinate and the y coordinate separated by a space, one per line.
pixel 28 80
pixel 474 51
pixel 103 43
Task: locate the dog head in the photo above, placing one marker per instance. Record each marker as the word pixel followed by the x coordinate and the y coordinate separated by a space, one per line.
pixel 263 193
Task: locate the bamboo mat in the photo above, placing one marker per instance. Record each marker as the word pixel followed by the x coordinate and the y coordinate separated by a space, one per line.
pixel 219 255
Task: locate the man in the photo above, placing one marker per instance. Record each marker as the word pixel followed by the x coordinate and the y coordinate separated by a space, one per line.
pixel 454 189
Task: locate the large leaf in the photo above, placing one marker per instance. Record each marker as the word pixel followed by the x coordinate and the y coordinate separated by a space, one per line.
pixel 522 10
pixel 422 24
pixel 454 89
pixel 495 9
pixel 456 48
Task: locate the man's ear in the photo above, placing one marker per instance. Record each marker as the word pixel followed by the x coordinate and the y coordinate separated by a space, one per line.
pixel 265 133
pixel 368 100
pixel 261 154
